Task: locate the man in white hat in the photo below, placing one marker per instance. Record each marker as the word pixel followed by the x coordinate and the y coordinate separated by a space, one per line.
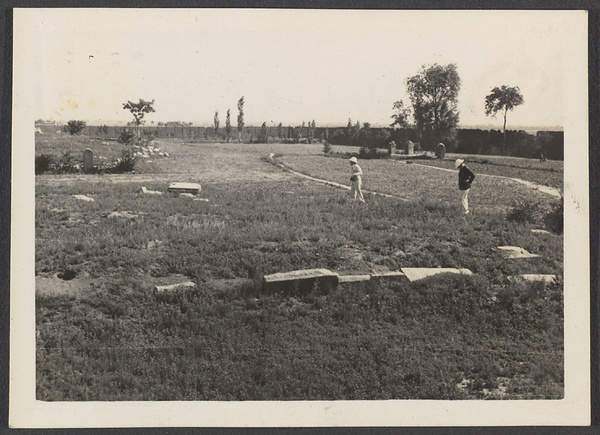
pixel 465 178
pixel 356 179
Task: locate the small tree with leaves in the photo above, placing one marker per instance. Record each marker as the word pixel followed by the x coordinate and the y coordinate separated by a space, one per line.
pixel 280 131
pixel 139 110
pixel 228 125
pixel 240 118
pixel 312 127
pixel 503 99
pixel 75 127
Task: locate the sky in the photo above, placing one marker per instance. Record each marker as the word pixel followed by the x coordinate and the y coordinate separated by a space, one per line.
pixel 292 65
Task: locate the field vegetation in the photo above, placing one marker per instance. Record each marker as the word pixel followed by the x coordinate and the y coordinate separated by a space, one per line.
pixel 103 335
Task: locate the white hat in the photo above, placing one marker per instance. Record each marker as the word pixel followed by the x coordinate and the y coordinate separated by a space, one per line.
pixel 354 160
pixel 458 162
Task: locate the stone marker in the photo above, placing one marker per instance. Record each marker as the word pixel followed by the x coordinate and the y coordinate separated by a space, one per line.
pixel 301 281
pixel 83 198
pixel 391 147
pixel 515 252
pixel 417 273
pixel 533 277
pixel 193 188
pixel 88 161
pixel 354 278
pixel 440 151
pixel 410 148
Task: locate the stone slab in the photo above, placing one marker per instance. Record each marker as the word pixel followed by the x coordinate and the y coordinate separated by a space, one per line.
pixel 301 281
pixel 533 277
pixel 417 273
pixel 515 252
pixel 354 278
pixel 83 198
pixel 88 161
pixel 193 188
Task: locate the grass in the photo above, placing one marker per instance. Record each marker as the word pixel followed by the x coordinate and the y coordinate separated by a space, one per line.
pixel 449 337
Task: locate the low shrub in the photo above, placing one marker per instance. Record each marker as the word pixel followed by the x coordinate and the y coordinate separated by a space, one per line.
pixel 526 212
pixel 126 137
pixel 43 162
pixel 66 164
pixel 124 164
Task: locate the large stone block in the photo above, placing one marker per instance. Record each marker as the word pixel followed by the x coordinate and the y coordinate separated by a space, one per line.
pixel 417 273
pixel 193 188
pixel 319 281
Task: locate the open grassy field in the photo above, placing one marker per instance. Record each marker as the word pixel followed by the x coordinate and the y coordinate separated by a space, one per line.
pixel 102 335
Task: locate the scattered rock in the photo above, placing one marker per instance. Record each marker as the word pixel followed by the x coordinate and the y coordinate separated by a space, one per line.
pixel 123 214
pixel 83 198
pixel 186 195
pixel 540 231
pixel 417 273
pixel 150 192
pixel 201 199
pixel 171 287
pixel 533 277
pixel 515 252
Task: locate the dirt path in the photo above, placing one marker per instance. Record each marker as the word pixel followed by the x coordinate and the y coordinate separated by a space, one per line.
pixel 544 189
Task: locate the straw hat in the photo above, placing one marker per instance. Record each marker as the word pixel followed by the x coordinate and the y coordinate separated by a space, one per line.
pixel 458 162
pixel 354 160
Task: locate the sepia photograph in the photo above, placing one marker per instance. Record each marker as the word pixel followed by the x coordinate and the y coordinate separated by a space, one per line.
pixel 299 217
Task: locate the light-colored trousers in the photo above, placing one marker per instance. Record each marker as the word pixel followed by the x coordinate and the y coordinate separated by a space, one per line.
pixel 464 199
pixel 356 190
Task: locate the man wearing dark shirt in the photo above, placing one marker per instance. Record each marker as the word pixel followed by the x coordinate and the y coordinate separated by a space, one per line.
pixel 465 178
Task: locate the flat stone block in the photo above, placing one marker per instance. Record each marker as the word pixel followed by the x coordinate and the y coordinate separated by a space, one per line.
pixel 515 252
pixel 417 273
pixel 533 277
pixel 193 188
pixel 354 278
pixel 301 281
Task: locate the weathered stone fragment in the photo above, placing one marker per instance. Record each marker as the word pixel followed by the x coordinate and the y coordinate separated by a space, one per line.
pixel 417 273
pixel 533 277
pixel 83 198
pixel 301 281
pixel 515 252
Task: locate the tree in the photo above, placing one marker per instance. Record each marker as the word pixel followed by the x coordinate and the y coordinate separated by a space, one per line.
pixel 216 123
pixel 503 98
pixel 228 125
pixel 280 130
pixel 401 116
pixel 139 110
pixel 433 92
pixel 75 127
pixel 240 118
